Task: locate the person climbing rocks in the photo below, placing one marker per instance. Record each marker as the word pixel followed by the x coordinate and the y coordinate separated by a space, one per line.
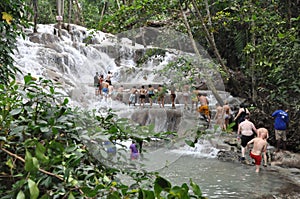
pixel 280 125
pixel 246 129
pixel 203 109
pixel 259 147
pixel 240 116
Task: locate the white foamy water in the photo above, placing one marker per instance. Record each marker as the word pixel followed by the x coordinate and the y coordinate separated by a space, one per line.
pixel 202 149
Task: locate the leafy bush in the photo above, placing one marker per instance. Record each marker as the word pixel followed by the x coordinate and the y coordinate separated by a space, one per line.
pixel 45 150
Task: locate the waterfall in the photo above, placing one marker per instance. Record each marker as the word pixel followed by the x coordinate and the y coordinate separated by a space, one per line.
pixel 73 59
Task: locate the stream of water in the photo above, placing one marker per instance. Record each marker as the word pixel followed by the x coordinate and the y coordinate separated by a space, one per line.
pixel 217 179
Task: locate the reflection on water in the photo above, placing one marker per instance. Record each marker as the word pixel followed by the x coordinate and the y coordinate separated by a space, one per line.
pixel 223 179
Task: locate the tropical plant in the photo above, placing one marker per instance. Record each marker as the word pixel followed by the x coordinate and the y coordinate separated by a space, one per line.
pixel 45 144
pixel 11 24
pixel 46 150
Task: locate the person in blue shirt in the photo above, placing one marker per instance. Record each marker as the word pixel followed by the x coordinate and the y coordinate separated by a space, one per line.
pixel 280 124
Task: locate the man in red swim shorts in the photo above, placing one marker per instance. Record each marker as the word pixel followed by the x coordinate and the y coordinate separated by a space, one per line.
pixel 257 158
pixel 259 146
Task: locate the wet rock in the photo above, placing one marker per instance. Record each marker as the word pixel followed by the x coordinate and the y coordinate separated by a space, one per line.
pixel 228 156
pixel 289 191
pixel 166 120
pixel 286 159
pixel 232 141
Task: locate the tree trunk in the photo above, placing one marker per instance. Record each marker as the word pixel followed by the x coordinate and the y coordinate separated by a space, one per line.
pixel 35 10
pixel 59 13
pixel 62 7
pixel 209 83
pixel 252 67
pixel 103 10
pixel 210 36
pixel 70 14
pixel 78 13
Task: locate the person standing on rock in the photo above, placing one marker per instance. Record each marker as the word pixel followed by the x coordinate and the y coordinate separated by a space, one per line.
pixel 173 96
pixel 96 83
pixel 108 77
pixel 101 79
pixel 246 129
pixel 259 147
pixel 243 111
pixel 142 97
pixel 150 94
pixel 227 114
pixel 132 97
pixel 203 109
pixel 134 151
pixel 219 116
pixel 105 89
pixel 194 99
pixel 260 125
pixel 161 96
pixel 280 124
pixel 119 95
pixel 111 92
pixel 186 96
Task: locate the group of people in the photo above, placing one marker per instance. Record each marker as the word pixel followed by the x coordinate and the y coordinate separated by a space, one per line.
pixel 246 131
pixel 249 134
pixel 152 93
pixel 103 86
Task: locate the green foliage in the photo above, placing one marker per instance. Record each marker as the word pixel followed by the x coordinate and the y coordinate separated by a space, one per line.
pixel 45 145
pixel 45 149
pixel 12 19
pixel 137 14
pixel 47 11
pixel 153 53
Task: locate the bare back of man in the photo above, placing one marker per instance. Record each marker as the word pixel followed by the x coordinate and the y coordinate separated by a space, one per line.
pixel 105 89
pixel 259 146
pixel 219 116
pixel 203 100
pixel 227 114
pixel 203 108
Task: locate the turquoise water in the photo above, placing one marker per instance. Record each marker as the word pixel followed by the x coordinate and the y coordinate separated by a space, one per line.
pixel 219 179
pixel 216 178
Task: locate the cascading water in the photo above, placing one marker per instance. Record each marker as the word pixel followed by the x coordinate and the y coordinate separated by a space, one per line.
pixel 73 60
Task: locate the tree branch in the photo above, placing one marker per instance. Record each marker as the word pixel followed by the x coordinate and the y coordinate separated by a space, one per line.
pixel 41 170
